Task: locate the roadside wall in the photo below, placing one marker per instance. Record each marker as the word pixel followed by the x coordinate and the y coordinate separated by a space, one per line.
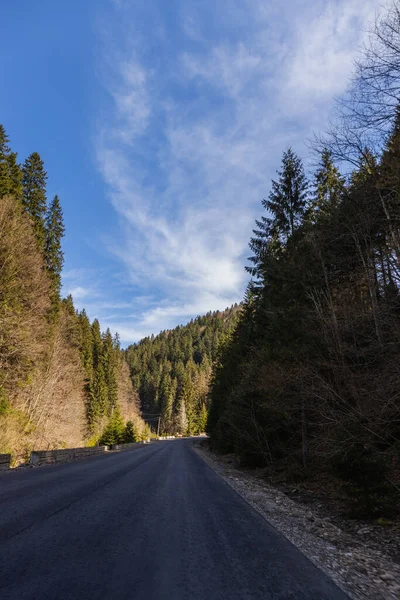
pixel 128 446
pixel 5 461
pixel 40 457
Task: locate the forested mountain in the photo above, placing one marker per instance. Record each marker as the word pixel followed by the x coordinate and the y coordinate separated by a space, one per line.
pixel 62 382
pixel 172 371
pixel 309 380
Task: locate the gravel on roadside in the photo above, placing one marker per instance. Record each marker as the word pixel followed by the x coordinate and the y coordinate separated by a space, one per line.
pixel 362 571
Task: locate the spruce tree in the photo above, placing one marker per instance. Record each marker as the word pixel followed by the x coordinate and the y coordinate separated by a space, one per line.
pixel 54 255
pixel 130 434
pixel 97 397
pixel 72 325
pixel 188 399
pixel 166 402
pixel 4 154
pixel 114 432
pixel 34 199
pixel 182 420
pixel 15 175
pixel 86 344
pixel 109 360
pixel 329 187
pixel 97 344
pixel 288 199
pixel 202 419
pixel 10 171
pixel 96 386
pixel 287 205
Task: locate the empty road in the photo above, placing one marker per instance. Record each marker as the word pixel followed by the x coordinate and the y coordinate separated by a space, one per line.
pixel 154 523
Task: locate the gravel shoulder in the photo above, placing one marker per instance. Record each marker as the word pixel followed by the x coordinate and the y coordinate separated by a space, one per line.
pixel 361 567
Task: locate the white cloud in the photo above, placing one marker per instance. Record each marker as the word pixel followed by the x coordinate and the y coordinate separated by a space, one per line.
pixel 193 135
pixel 325 47
pixel 79 292
pixel 131 102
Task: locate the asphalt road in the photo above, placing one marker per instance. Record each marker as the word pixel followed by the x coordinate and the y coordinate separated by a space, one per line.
pixel 154 523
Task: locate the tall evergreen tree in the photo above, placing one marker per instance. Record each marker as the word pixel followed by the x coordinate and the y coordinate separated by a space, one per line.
pixel 4 154
pixel 287 204
pixel 86 344
pixel 109 360
pixel 97 397
pixel 10 171
pixel 166 395
pixel 202 419
pixel 97 344
pixel 182 420
pixel 34 201
pixel 54 255
pixel 73 329
pixel 329 186
pixel 114 433
pixel 288 199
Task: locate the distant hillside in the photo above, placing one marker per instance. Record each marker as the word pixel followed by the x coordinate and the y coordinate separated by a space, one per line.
pixel 62 382
pixel 172 371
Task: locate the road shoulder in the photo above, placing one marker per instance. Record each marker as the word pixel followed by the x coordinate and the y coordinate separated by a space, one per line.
pixel 363 573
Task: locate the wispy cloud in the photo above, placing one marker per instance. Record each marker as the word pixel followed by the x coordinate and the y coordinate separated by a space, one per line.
pixel 79 292
pixel 194 127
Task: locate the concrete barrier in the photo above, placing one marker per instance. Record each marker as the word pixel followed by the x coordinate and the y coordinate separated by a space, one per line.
pixel 41 457
pixel 5 460
pixel 129 446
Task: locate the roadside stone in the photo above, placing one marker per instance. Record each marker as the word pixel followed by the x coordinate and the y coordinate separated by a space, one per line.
pixel 363 531
pixel 366 572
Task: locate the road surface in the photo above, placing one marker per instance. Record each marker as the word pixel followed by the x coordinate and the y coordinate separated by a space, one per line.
pixel 154 523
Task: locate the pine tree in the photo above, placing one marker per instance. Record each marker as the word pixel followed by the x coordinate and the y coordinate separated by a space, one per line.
pixel 72 328
pixel 4 154
pixel 287 204
pixel 97 397
pixel 202 419
pixel 188 400
pixel 15 174
pixel 86 344
pixel 97 344
pixel 329 187
pixel 96 386
pixel 288 199
pixel 130 435
pixel 109 360
pixel 54 255
pixel 166 402
pixel 114 432
pixel 182 420
pixel 10 171
pixel 34 199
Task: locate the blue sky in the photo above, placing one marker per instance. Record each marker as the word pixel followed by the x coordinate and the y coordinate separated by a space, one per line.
pixel 161 124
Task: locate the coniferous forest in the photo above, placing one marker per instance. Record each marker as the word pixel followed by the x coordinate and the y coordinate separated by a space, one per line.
pixel 308 383
pixel 172 371
pixel 302 377
pixel 62 381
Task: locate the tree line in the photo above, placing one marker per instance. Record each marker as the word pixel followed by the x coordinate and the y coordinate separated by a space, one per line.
pixel 27 185
pixel 62 381
pixel 308 381
pixel 172 370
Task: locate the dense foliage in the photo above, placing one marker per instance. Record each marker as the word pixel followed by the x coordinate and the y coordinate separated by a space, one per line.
pixel 311 372
pixel 172 371
pixel 309 380
pixel 61 380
